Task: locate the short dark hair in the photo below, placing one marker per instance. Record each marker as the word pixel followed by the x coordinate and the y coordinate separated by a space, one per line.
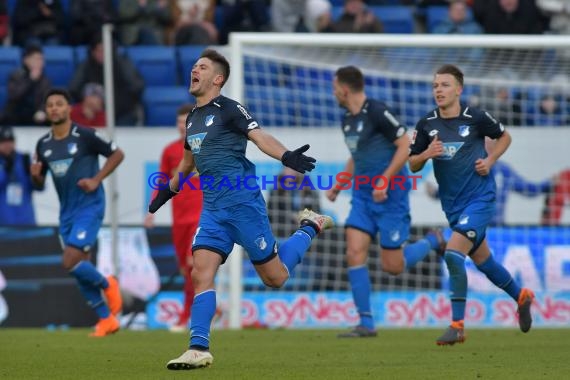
pixel 219 60
pixel 352 77
pixel 32 49
pixel 185 109
pixel 452 70
pixel 59 91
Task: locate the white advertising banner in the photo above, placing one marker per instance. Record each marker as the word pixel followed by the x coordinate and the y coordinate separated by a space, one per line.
pixel 536 154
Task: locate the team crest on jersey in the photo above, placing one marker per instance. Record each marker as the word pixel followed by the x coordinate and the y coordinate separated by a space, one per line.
pixel 463 130
pixel 81 234
pixel 261 243
pixel 360 126
pixel 72 148
pixel 450 149
pixel 59 168
pixel 195 142
pixel 395 235
pixel 209 120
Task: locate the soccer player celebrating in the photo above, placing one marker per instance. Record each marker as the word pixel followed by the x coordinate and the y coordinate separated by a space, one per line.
pixel 217 131
pixel 453 135
pixel 379 147
pixel 71 153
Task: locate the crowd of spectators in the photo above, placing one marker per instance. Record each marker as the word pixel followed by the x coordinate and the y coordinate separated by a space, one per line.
pixel 30 24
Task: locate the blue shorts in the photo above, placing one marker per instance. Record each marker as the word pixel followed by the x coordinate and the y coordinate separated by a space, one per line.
pixel 245 224
pixel 393 224
pixel 81 232
pixel 472 221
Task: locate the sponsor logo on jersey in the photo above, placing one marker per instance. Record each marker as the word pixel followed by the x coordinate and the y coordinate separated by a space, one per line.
pixel 351 143
pixel 360 126
pixel 433 132
pixel 59 168
pixel 471 234
pixel 346 128
pixel 189 125
pixel 450 149
pixel 244 112
pixel 463 130
pixel 463 219
pixel 81 234
pixel 209 120
pixel 195 142
pixel 72 148
pixel 47 153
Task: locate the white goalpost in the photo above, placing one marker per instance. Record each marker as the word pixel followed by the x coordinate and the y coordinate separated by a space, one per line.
pixel 285 81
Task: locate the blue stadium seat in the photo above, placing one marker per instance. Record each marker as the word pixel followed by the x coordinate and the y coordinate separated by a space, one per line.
pixel 3 97
pixel 11 5
pixel 161 102
pixel 187 56
pixel 60 64
pixel 10 59
pixel 156 64
pixel 80 54
pixel 396 19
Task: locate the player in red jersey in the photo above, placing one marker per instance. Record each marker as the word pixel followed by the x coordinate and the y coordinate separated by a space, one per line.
pixel 186 209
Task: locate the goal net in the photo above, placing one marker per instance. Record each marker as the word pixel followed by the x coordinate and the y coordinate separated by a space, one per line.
pixel 286 82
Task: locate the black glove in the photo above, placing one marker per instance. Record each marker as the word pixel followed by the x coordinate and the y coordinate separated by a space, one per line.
pixel 161 198
pixel 296 160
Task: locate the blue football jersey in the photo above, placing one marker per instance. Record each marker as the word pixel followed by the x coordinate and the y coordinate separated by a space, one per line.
pixel 370 136
pixel 70 159
pixel 216 134
pixel 463 139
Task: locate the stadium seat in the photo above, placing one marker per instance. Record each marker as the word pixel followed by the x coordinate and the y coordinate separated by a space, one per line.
pixel 3 97
pixel 187 55
pixel 156 64
pixel 60 64
pixel 80 54
pixel 161 102
pixel 11 5
pixel 10 59
pixel 396 19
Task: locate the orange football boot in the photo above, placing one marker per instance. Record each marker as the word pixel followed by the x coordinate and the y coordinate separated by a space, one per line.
pixel 113 295
pixel 106 326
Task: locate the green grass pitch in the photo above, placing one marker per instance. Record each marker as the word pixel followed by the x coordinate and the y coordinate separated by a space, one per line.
pixel 288 354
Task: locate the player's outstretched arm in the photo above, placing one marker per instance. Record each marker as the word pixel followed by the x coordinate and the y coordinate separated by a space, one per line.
pixel 173 187
pixel 295 159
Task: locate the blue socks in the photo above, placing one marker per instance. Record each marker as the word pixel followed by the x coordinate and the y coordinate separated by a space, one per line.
pixel 500 277
pixel 90 283
pixel 203 310
pixel 414 253
pixel 457 283
pixel 361 288
pixel 292 251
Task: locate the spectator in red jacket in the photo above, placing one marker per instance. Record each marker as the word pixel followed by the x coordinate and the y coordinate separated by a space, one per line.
pixel 90 112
